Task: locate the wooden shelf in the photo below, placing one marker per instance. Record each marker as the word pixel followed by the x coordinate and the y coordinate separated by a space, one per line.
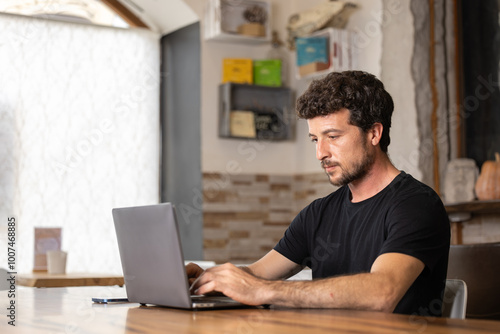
pixel 474 207
pixel 462 212
pixel 237 38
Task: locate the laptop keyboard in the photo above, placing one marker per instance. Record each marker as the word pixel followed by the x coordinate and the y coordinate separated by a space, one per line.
pixel 212 299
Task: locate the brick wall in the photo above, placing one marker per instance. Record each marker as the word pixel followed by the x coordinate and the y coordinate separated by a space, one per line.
pixel 246 215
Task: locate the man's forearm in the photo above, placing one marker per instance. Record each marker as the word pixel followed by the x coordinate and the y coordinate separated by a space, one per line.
pixel 367 291
pixel 390 277
pixel 361 291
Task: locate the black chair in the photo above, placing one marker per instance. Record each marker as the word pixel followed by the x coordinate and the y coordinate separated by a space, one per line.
pixel 479 266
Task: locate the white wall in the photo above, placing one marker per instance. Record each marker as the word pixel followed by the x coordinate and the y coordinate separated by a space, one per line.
pixel 396 74
pixel 298 156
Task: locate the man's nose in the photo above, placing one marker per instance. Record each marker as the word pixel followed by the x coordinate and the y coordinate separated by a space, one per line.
pixel 321 150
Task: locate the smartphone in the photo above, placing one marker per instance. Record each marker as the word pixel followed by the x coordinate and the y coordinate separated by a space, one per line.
pixel 109 300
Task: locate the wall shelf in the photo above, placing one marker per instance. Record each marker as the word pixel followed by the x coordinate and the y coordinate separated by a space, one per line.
pixel 266 112
pixel 492 206
pixel 225 21
pixel 462 212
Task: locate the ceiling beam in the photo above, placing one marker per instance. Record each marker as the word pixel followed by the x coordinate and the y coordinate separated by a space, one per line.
pixel 125 13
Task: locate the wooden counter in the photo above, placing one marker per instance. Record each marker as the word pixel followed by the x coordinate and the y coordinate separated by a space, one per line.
pixel 45 280
pixel 70 310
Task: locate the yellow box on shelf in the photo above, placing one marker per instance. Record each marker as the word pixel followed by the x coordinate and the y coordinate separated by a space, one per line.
pixel 237 70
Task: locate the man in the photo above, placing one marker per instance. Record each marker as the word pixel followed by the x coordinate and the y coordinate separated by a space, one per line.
pixel 379 242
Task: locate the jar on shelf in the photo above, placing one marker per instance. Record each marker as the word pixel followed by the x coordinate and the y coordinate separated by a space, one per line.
pixel 277 51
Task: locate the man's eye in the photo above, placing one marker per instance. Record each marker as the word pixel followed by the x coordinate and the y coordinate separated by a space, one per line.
pixel 332 137
pixel 314 140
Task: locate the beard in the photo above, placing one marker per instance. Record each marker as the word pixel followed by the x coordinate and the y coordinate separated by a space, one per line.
pixel 356 171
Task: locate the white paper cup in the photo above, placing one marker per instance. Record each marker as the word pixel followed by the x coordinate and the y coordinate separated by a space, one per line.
pixel 56 262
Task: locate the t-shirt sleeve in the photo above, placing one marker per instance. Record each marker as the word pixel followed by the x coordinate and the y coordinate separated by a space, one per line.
pixel 418 226
pixel 293 245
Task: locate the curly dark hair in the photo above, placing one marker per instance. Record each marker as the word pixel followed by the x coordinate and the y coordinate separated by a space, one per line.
pixel 359 92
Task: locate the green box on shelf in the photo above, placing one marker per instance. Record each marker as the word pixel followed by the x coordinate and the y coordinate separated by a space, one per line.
pixel 267 72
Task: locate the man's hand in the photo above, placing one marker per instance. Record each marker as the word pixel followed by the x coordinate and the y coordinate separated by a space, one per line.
pixel 193 271
pixel 234 283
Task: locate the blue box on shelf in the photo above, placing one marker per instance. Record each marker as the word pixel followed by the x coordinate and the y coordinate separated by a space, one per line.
pixel 311 50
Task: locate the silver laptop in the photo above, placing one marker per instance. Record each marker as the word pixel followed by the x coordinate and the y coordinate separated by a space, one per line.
pixel 152 260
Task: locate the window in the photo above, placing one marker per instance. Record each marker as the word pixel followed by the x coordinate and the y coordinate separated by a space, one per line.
pixel 79 11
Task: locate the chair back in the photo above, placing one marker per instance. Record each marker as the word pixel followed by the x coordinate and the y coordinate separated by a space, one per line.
pixel 455 299
pixel 479 266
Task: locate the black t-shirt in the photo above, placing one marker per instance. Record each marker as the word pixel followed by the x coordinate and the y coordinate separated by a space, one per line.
pixel 334 236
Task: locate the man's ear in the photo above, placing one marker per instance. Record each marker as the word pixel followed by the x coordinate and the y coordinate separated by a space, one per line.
pixel 375 133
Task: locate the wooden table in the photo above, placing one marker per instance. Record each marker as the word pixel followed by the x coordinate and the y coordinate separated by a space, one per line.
pixel 45 280
pixel 70 310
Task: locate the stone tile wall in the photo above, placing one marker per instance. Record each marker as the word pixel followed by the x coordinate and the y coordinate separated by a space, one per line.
pixel 246 215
